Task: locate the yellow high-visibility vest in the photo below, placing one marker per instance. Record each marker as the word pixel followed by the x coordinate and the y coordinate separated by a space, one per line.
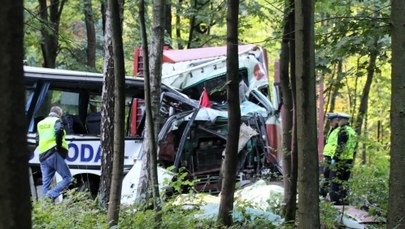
pixel 331 143
pixel 350 147
pixel 46 133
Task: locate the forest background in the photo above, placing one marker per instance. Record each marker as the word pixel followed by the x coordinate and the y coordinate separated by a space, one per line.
pixel 352 58
pixel 352 44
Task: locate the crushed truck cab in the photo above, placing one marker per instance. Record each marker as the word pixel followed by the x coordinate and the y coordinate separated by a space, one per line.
pixel 201 74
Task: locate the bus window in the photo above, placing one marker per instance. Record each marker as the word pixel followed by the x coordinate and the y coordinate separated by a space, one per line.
pixel 95 104
pixel 93 120
pixel 69 102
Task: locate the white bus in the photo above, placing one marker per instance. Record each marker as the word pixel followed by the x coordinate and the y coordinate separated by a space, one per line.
pixel 191 136
pixel 79 95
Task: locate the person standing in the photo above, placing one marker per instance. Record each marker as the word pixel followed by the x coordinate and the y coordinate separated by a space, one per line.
pixel 328 151
pixel 53 150
pixel 343 160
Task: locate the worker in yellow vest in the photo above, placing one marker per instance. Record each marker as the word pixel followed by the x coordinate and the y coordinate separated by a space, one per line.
pixel 53 151
pixel 343 160
pixel 328 152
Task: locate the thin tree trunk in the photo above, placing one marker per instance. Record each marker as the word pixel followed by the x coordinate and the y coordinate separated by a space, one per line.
pixel 107 114
pixel 144 191
pixel 308 174
pixel 119 113
pixel 366 90
pixel 15 202
pixel 191 32
pixel 178 24
pixel 335 88
pixel 50 30
pixel 396 202
pixel 364 99
pixel 168 18
pixel 234 119
pixel 91 34
pixel 334 92
pixel 291 209
pixel 288 113
pixel 155 65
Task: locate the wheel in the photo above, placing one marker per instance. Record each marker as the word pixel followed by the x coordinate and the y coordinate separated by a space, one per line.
pixel 88 184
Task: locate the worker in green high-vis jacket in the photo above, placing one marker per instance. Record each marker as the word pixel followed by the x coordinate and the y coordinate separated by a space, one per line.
pixel 342 160
pixel 328 151
pixel 53 150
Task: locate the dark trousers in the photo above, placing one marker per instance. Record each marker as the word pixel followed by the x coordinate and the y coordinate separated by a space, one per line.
pixel 339 176
pixel 326 167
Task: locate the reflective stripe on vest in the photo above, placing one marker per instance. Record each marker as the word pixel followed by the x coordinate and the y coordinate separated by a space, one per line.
pixel 46 133
pixel 331 143
pixel 350 147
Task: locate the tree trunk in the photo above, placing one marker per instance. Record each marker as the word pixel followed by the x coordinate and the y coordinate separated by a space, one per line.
pixel 91 35
pixel 15 202
pixel 119 113
pixel 289 199
pixel 364 99
pixel 107 114
pixel 178 24
pixel 191 32
pixel 396 202
pixel 294 151
pixel 334 90
pixel 144 192
pixel 234 119
pixel 168 19
pixel 153 119
pixel 366 90
pixel 50 30
pixel 308 174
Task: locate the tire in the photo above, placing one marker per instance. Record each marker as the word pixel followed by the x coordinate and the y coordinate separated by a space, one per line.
pixel 88 184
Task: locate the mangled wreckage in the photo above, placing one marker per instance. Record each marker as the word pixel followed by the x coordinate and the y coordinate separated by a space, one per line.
pixel 195 137
pixel 191 136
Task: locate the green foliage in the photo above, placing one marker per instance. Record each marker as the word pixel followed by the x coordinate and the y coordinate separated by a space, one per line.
pixel 276 203
pixel 328 215
pixel 181 181
pixel 174 215
pixel 77 210
pixel 369 187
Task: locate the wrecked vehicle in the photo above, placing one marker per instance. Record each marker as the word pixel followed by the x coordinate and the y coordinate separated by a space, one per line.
pixel 79 95
pixel 191 136
pixel 197 141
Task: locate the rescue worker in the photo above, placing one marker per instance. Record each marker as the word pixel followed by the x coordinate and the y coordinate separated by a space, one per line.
pixel 343 160
pixel 328 151
pixel 53 150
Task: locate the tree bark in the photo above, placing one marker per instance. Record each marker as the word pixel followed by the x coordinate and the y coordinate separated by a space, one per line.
pixel 308 174
pixel 234 119
pixel 168 18
pixel 91 35
pixel 335 87
pixel 119 113
pixel 153 119
pixel 289 194
pixel 294 150
pixel 366 90
pixel 15 202
pixel 364 99
pixel 178 24
pixel 107 114
pixel 396 202
pixel 50 30
pixel 144 191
